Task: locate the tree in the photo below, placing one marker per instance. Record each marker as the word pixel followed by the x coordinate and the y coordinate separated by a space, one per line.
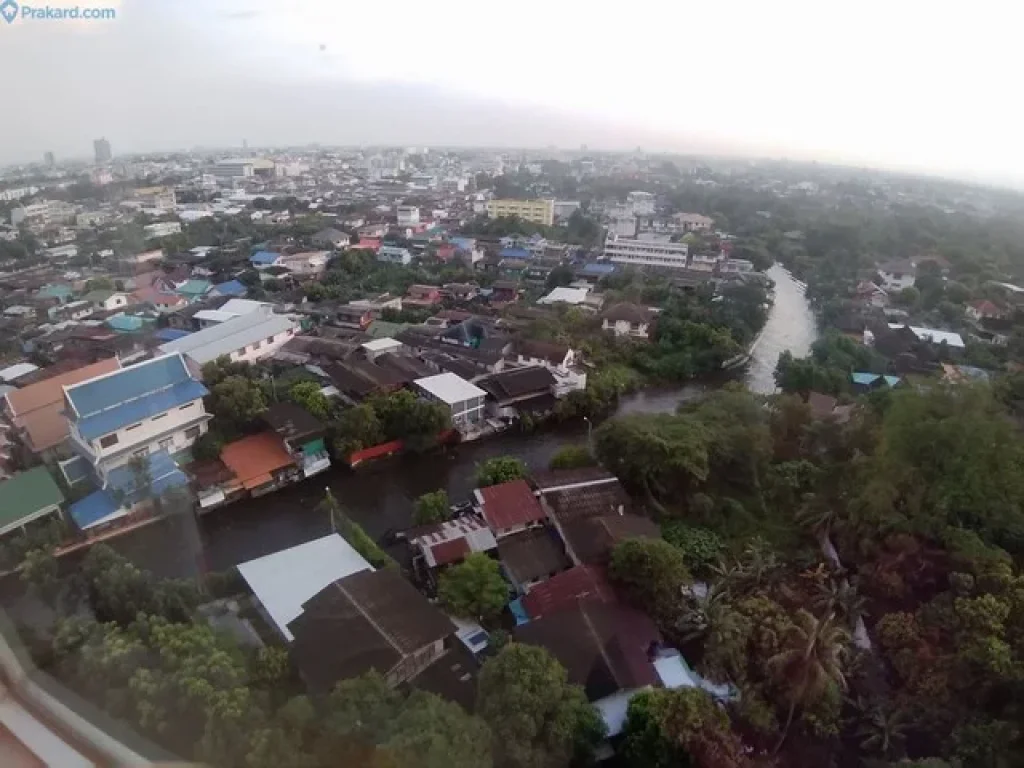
pixel 812 662
pixel 41 572
pixel 572 457
pixel 667 728
pixel 432 507
pixel 651 572
pixel 501 469
pixel 474 588
pixel 908 297
pixel 307 395
pixel 356 427
pixel 537 718
pixel 353 533
pixel 701 547
pixel 238 400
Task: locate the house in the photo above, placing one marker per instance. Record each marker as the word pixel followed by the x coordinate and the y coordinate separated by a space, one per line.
pixel 15 374
pixel 933 336
pixel 564 295
pixel 461 292
pixel 265 259
pixel 353 316
pixel 108 300
pixel 564 590
pixel 827 407
pixel 26 497
pixel 595 271
pixel 509 508
pixel 123 323
pixel 983 309
pixel 449 541
pixel 160 301
pixel 422 296
pixel 156 405
pixel 871 294
pixel 331 238
pixel 73 310
pixel 393 254
pixel 303 436
pixel 530 557
pixel 246 338
pixel 282 581
pixel 630 320
pixel 464 401
pixel 370 620
pixel 261 463
pixel 897 275
pixel 194 290
pixel 307 263
pixel 864 381
pixel 531 388
pixel 547 353
pixel 383 346
pixel 504 291
pixel 233 288
pixel 367 244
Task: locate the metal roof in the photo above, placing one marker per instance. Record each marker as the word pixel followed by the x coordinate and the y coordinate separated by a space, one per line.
pixel 25 494
pixel 449 388
pixel 285 580
pixel 227 337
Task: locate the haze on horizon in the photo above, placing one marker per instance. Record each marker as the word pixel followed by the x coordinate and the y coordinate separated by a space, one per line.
pixel 909 86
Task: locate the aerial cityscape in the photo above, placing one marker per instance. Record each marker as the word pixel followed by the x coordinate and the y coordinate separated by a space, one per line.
pixel 453 456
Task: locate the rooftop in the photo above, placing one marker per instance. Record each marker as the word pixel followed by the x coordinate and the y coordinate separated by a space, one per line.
pixel 291 421
pixel 532 554
pixel 509 505
pixel 224 338
pixel 284 580
pixel 563 590
pixel 25 494
pixel 255 458
pixel 449 388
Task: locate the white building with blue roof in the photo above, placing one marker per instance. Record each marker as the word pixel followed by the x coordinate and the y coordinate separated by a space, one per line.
pixel 154 406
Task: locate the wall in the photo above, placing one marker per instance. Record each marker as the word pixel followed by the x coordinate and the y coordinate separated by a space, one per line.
pixel 251 352
pixel 415 663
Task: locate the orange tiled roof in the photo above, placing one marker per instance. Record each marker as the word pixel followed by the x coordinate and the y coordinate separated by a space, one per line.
pixel 253 459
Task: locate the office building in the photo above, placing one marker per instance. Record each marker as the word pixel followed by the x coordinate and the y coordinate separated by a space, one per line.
pixel 101 150
pixel 49 159
pixel 537 211
pixel 234 169
pixel 408 215
pixel 646 253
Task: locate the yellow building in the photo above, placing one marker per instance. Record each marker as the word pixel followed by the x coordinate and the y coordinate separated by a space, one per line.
pixel 537 211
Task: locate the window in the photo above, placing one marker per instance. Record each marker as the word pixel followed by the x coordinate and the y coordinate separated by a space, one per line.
pixel 270 340
pixel 141 453
pixel 159 416
pixel 108 440
pixel 186 406
pixel 133 426
pixel 166 444
pixel 192 433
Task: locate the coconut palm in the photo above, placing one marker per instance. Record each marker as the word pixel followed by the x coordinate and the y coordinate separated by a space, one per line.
pixel 839 597
pixel 816 514
pixel 703 612
pixel 883 731
pixel 814 659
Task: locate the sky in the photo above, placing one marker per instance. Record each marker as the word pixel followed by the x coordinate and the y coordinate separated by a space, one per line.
pixel 910 85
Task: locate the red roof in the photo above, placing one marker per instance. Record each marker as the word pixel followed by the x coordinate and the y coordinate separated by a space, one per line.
pixel 450 551
pixel 509 505
pixel 562 591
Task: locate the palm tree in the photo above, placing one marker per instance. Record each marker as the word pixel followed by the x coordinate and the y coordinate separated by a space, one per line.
pixel 816 515
pixel 703 612
pixel 839 597
pixel 814 659
pixel 884 731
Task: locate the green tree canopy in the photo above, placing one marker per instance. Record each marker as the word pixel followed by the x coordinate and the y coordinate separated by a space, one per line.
pixel 500 469
pixel 474 588
pixel 432 507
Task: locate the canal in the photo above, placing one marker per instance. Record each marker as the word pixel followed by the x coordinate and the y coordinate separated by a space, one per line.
pixel 380 496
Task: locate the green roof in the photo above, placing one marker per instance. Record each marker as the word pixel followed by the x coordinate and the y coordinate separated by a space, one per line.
pixel 194 287
pixel 26 493
pixel 382 329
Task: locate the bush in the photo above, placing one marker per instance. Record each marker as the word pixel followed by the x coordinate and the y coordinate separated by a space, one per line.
pixel 572 457
pixel 701 547
pixel 501 469
pixel 432 508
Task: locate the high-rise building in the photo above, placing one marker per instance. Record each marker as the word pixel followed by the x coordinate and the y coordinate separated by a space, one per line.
pixel 49 159
pixel 245 144
pixel 101 149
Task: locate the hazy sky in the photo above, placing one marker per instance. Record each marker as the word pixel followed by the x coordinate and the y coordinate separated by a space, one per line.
pixel 905 84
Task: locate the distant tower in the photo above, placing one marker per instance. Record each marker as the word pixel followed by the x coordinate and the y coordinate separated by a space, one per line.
pixel 49 159
pixel 245 144
pixel 101 149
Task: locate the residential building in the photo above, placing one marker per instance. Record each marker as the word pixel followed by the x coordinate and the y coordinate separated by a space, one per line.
pixel 303 436
pixel 36 411
pixel 934 336
pixel 282 581
pixel 897 275
pixel 531 557
pixel 509 508
pixel 155 405
pixel 26 497
pixel 565 295
pixel 156 197
pixel 162 229
pixel 247 338
pixel 512 392
pixel 449 541
pixel 563 209
pixel 694 222
pixel 547 353
pixel 230 169
pixel 422 296
pixel 537 211
pixel 259 463
pixel 265 259
pixel 393 254
pixel 194 290
pixel 983 309
pixel 331 238
pixel 108 300
pixel 627 319
pixel 307 263
pixel 464 401
pixel 369 621
pixel 646 252
pixel 641 203
pixel 407 215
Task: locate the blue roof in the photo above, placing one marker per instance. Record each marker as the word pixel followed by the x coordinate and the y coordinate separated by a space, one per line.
pixel 892 381
pixel 231 288
pixel 514 253
pixel 517 610
pixel 170 334
pixel 264 257
pixel 463 243
pixel 55 291
pixel 92 509
pixel 131 394
pixel 598 269
pixel 125 323
pixel 860 377
pixel 971 371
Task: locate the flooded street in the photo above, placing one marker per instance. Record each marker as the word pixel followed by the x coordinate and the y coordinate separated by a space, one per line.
pixel 380 496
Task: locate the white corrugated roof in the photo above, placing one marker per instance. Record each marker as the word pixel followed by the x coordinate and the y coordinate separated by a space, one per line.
pixel 285 580
pixel 225 338
pixel 565 295
pixel 449 388
pixel 381 345
pixel 17 370
pixel 934 336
